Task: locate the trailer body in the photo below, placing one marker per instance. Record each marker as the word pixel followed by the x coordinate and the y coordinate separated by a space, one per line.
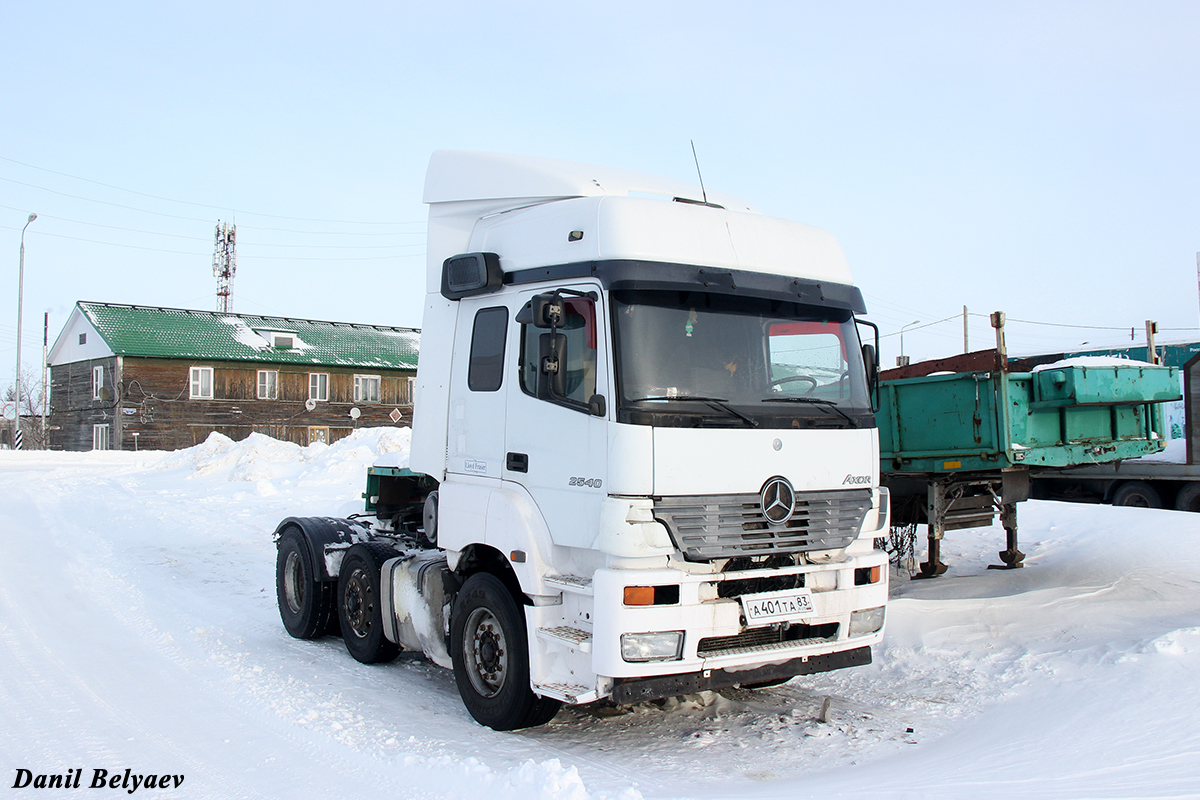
pixel 957 448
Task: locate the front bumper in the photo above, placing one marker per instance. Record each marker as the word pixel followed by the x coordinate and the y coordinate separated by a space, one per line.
pixel 637 690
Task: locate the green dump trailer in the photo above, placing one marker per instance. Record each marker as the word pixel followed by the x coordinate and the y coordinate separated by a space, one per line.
pixel 958 437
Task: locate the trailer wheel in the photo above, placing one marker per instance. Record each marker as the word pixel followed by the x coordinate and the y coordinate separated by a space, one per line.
pixel 1188 498
pixel 1138 494
pixel 305 603
pixel 359 607
pixel 490 651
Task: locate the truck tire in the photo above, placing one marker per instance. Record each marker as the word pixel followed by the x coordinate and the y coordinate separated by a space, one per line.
pixel 359 608
pixel 1188 498
pixel 306 604
pixel 1138 494
pixel 490 651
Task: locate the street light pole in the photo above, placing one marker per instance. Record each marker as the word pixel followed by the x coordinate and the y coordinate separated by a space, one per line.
pixel 20 310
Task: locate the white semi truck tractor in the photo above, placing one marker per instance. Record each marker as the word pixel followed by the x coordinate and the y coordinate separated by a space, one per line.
pixel 644 458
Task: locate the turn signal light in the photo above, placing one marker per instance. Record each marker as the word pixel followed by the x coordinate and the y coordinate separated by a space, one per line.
pixel 651 595
pixel 639 595
pixel 866 575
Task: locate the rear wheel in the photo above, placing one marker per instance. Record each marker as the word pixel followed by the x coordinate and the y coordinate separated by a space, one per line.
pixel 306 604
pixel 359 608
pixel 490 651
pixel 1188 498
pixel 1137 494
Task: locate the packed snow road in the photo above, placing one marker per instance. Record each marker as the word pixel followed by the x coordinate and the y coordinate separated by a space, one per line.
pixel 138 631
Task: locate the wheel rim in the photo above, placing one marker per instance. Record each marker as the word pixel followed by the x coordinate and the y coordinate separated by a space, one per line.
pixel 359 603
pixel 293 582
pixel 486 652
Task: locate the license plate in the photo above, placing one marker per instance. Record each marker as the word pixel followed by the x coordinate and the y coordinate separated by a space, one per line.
pixel 781 606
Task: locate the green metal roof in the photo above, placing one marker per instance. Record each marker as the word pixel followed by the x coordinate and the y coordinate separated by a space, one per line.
pixel 184 333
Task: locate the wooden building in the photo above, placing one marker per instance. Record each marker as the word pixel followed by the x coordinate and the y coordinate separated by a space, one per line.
pixel 136 377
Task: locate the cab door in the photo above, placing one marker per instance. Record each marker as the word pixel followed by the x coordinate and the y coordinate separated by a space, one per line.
pixel 475 429
pixel 556 448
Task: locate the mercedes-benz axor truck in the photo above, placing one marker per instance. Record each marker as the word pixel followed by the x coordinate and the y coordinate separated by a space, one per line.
pixel 644 459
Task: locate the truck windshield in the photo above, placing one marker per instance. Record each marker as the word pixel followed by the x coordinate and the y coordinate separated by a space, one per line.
pixel 694 359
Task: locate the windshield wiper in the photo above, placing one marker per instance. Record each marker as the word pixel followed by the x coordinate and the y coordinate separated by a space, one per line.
pixel 719 403
pixel 817 401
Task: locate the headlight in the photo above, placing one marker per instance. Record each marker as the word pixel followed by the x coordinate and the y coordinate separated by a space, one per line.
pixel 866 621
pixel 661 646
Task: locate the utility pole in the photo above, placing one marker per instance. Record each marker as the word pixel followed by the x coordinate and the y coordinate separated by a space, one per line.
pixel 966 339
pixel 45 376
pixel 1151 351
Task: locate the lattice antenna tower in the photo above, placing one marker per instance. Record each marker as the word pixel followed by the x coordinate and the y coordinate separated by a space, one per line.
pixel 225 264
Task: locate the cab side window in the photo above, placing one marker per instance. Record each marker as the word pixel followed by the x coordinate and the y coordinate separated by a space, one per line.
pixel 486 370
pixel 576 356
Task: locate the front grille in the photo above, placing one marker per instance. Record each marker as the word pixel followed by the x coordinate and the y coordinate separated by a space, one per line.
pixel 760 639
pixel 726 526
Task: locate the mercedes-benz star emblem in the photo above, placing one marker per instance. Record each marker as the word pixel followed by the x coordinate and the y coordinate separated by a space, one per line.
pixel 778 500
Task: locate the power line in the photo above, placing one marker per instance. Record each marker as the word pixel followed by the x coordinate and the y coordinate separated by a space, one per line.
pixel 202 239
pixel 172 200
pixel 192 253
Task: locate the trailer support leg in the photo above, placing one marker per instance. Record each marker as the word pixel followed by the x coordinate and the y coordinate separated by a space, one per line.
pixel 934 566
pixel 1012 557
pixel 935 512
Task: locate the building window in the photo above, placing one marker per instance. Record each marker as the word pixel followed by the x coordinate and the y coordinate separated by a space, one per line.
pixel 202 383
pixel 268 384
pixel 97 382
pixel 318 386
pixel 412 388
pixel 366 388
pixel 83 338
pixel 101 437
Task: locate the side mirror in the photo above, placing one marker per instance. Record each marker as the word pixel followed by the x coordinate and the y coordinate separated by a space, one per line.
pixel 871 362
pixel 596 406
pixel 552 355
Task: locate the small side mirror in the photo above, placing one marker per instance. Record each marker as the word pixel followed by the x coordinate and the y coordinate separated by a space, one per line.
pixel 547 311
pixel 596 406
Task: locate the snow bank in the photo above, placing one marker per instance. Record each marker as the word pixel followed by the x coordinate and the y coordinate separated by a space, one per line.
pixel 138 627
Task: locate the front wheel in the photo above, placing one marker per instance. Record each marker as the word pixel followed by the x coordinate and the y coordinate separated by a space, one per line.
pixel 490 651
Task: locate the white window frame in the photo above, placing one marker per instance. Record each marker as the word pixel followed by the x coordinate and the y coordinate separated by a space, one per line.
pixel 102 437
pixel 412 390
pixel 197 381
pixel 362 386
pixel 318 386
pixel 97 382
pixel 268 384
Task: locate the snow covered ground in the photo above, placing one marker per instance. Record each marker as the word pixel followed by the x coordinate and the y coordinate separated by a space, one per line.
pixel 138 630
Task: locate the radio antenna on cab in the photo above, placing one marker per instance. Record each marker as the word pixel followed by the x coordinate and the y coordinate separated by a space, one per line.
pixel 703 194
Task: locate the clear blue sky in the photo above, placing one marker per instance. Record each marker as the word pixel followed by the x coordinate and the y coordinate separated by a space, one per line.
pixel 1037 158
